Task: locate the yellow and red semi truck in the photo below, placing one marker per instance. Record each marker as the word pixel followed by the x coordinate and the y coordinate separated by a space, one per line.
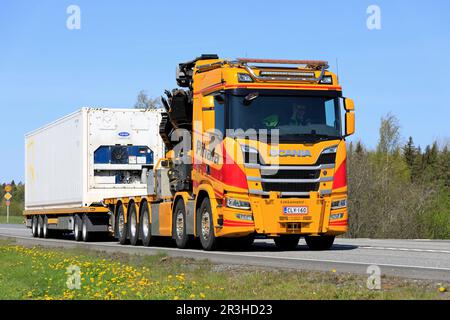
pixel 254 148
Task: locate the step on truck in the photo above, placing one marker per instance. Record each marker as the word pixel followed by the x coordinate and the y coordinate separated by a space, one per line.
pixel 255 148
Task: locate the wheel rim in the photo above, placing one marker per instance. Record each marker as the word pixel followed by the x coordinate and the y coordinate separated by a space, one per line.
pixel 133 225
pixel 76 229
pixel 33 226
pixel 44 229
pixel 205 225
pixel 121 223
pixel 40 227
pixel 84 230
pixel 145 229
pixel 180 224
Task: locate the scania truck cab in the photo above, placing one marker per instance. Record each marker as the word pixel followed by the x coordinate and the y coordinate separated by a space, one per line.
pixel 255 148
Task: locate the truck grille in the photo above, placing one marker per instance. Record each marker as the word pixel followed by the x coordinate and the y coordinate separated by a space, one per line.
pixel 291 174
pixel 290 187
pixel 294 180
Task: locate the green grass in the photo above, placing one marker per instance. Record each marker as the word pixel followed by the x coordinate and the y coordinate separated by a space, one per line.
pixel 38 273
pixel 12 219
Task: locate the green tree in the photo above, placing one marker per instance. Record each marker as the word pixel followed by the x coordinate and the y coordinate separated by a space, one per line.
pixel 410 152
pixel 389 135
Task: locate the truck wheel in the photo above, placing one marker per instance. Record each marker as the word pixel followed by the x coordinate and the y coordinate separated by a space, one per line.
pixel 133 227
pixel 287 242
pixel 34 226
pixel 40 226
pixel 179 226
pixel 122 229
pixel 145 226
pixel 45 231
pixel 206 226
pixel 77 227
pixel 319 242
pixel 85 234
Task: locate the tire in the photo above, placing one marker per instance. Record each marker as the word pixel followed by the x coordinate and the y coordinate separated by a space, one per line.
pixel 40 226
pixel 206 226
pixel 179 232
pixel 45 231
pixel 287 242
pixel 34 226
pixel 121 225
pixel 145 226
pixel 318 243
pixel 133 225
pixel 85 234
pixel 77 227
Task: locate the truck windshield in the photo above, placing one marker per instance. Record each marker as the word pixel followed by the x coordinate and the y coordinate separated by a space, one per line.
pixel 298 118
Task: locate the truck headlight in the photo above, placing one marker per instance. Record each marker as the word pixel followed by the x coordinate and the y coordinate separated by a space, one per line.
pixel 332 149
pixel 237 204
pixel 336 216
pixel 338 204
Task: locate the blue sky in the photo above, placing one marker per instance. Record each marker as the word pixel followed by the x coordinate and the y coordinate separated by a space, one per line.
pixel 47 71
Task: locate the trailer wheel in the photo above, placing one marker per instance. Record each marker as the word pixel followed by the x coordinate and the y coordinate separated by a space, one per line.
pixel 34 226
pixel 40 226
pixel 319 242
pixel 287 242
pixel 206 226
pixel 133 226
pixel 45 231
pixel 179 232
pixel 77 228
pixel 145 226
pixel 122 228
pixel 85 234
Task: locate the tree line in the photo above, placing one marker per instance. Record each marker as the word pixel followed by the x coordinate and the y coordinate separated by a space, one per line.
pixel 398 191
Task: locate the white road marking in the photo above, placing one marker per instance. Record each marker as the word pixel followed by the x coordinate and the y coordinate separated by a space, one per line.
pixel 12 229
pixel 404 249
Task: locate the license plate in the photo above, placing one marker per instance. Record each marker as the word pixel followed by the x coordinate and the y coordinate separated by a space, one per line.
pixel 295 210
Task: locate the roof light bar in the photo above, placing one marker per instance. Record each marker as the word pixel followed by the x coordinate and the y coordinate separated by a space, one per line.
pixel 286 74
pixel 291 76
pixel 318 63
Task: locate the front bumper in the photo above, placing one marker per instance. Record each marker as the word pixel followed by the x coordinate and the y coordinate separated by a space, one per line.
pixel 269 218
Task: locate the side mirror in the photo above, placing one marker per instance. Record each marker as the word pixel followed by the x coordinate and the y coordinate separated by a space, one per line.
pixel 349 107
pixel 349 123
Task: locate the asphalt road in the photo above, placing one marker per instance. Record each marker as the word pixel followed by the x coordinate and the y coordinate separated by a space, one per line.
pixel 416 259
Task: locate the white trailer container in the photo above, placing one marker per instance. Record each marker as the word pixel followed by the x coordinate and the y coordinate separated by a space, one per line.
pixel 89 155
